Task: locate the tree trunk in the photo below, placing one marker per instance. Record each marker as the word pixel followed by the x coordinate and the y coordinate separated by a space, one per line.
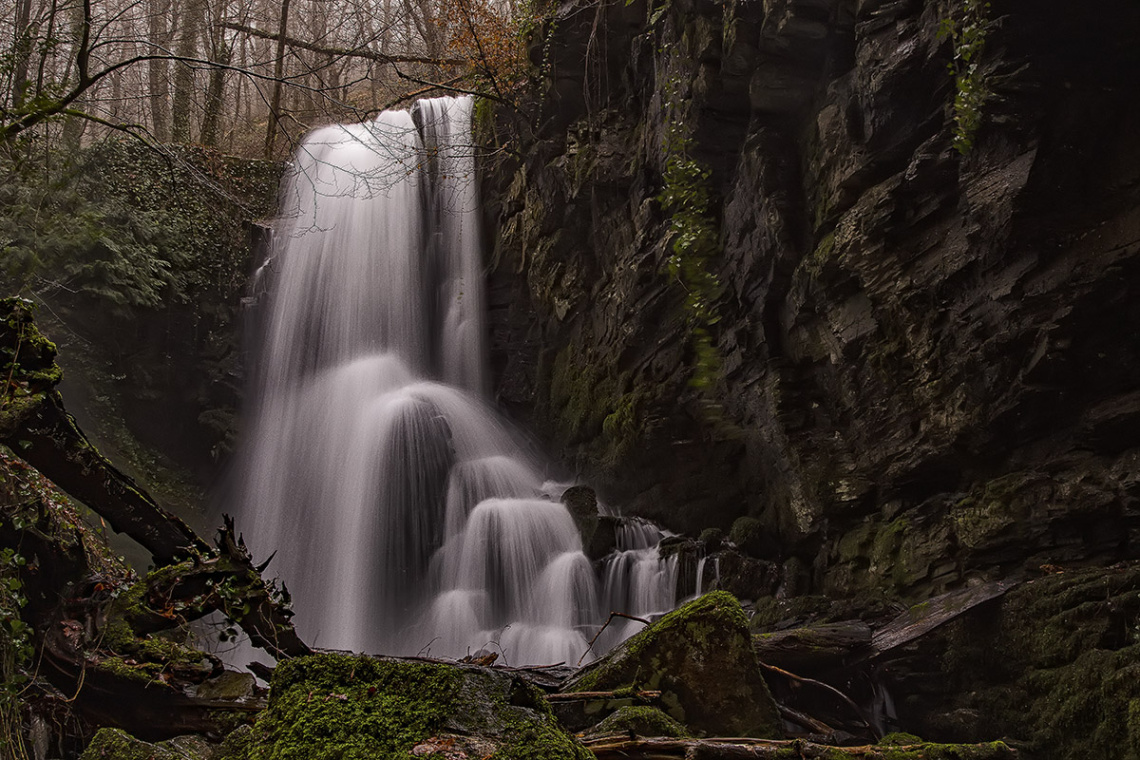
pixel 23 52
pixel 158 72
pixel 273 123
pixel 181 107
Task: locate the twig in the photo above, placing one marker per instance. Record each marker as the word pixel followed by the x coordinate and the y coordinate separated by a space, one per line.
pixel 609 620
pixel 828 687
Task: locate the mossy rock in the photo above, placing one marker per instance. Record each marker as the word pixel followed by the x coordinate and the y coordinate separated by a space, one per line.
pixel 345 707
pixel 700 657
pixel 27 361
pixel 898 739
pixel 1058 665
pixel 748 535
pixel 711 539
pixel 116 744
pixel 642 720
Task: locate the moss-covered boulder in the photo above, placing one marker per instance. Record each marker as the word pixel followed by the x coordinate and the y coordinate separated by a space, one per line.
pixel 639 720
pixel 700 657
pixel 1057 665
pixel 116 744
pixel 345 707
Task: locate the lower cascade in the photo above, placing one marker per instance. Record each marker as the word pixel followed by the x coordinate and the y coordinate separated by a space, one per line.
pixel 407 516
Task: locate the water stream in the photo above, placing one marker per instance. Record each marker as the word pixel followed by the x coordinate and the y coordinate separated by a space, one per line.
pixel 408 517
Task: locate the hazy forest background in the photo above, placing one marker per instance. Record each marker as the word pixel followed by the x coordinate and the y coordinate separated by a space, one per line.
pixel 141 144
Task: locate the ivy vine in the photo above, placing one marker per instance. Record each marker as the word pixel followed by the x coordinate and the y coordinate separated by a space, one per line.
pixel 687 198
pixel 967 29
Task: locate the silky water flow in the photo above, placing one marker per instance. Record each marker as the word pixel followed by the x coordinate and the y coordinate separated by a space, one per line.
pixel 407 516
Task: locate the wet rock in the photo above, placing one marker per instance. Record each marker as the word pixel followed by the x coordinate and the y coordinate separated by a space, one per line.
pixel 598 531
pixel 700 656
pixel 900 326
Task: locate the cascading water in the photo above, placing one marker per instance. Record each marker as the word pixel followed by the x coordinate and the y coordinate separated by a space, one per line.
pixel 406 515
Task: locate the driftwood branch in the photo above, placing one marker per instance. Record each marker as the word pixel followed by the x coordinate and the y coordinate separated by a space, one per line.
pixel 34 423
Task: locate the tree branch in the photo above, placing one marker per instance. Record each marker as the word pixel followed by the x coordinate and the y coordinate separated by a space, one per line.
pixel 358 52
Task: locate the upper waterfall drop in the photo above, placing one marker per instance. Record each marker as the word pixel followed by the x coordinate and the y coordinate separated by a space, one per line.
pixel 407 516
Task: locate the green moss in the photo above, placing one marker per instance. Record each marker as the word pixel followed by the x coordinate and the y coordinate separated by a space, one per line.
pixel 642 720
pixel 335 706
pixel 992 509
pixel 898 738
pixel 814 263
pixel 581 395
pixel 748 534
pixel 1060 664
pixel 967 28
pixel 711 539
pixel 624 427
pixel 701 658
pixel 694 235
pixel 28 370
pixel 116 744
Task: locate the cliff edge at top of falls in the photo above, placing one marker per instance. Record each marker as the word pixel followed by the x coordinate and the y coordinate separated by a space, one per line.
pixel 926 367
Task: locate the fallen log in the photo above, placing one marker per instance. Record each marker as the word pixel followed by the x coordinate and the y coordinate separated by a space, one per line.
pixel 607 748
pixel 806 721
pixel 35 425
pixel 587 696
pixel 814 648
pixel 92 621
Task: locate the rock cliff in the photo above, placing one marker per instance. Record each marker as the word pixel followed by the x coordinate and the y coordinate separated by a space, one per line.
pixel 926 360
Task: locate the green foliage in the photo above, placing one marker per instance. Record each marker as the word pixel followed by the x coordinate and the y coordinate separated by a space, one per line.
pixel 687 198
pixel 967 29
pixel 122 238
pixel 15 653
pixel 127 226
pixel 748 535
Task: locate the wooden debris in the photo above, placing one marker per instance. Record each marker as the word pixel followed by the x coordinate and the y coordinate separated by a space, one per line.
pixel 608 748
pixel 814 648
pixel 923 618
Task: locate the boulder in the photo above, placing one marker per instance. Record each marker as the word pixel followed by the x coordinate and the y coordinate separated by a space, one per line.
pixel 641 720
pixel 700 657
pixel 353 707
pixel 116 744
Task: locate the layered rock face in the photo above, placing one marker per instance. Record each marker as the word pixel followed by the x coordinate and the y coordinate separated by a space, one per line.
pixel 929 361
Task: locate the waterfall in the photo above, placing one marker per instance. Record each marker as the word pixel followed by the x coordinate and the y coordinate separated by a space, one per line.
pixel 406 515
pixel 637 579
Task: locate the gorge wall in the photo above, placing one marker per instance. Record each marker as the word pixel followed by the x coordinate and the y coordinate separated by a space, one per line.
pixel 930 367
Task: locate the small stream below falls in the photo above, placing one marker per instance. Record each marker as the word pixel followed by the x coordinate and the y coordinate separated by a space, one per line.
pixel 407 515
